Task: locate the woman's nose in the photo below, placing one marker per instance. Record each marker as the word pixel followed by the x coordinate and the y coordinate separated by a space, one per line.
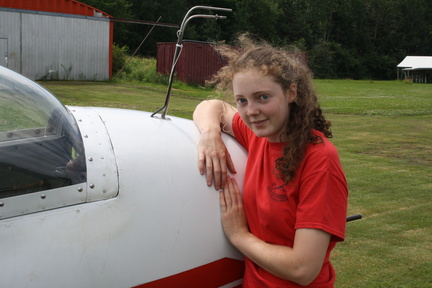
pixel 252 110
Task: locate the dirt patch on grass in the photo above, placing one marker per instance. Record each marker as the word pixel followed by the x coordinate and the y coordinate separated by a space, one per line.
pixel 413 153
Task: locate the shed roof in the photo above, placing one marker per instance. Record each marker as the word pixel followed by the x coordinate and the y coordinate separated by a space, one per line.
pixel 416 62
pixel 55 6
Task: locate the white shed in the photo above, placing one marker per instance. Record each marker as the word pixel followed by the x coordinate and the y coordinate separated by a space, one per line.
pixel 416 68
pixel 55 39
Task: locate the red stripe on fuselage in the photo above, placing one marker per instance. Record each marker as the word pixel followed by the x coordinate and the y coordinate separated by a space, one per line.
pixel 212 275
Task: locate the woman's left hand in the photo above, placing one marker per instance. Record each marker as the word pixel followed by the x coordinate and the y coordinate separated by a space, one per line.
pixel 300 263
pixel 233 215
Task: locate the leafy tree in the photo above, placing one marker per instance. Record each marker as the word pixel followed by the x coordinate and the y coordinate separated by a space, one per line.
pixel 119 57
pixel 343 38
pixel 117 9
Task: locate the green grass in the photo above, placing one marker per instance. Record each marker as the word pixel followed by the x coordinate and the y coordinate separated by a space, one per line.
pixel 148 97
pixel 388 163
pixel 383 133
pixel 388 98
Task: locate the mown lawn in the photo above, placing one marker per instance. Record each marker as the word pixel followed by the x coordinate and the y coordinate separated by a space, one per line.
pixel 383 132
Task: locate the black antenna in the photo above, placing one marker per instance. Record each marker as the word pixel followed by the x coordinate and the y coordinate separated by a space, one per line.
pixel 354 217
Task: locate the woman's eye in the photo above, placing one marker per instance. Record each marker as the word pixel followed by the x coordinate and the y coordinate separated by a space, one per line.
pixel 241 101
pixel 264 97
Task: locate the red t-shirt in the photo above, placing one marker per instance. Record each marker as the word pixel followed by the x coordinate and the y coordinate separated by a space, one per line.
pixel 316 198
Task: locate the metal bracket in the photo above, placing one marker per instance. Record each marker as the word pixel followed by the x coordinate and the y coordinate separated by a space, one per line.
pixel 179 46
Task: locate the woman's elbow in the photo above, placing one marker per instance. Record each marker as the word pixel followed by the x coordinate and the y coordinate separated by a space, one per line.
pixel 305 276
pixel 304 282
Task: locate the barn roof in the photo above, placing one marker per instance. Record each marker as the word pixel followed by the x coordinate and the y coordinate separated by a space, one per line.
pixel 55 6
pixel 416 62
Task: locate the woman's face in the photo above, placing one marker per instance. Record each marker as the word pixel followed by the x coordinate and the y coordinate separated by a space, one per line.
pixel 262 103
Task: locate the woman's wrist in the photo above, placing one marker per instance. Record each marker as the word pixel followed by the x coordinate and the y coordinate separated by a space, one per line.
pixel 211 130
pixel 242 241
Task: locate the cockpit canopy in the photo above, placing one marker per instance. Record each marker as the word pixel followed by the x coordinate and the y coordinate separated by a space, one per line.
pixel 40 145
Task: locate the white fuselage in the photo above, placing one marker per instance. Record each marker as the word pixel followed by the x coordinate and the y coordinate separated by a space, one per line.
pixel 161 220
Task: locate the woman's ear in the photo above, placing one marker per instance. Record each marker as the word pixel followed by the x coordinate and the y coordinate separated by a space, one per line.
pixel 292 93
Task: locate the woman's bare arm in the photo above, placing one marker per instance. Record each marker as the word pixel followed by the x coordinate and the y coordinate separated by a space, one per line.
pixel 212 117
pixel 300 264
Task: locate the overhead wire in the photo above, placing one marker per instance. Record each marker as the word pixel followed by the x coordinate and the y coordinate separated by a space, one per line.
pixel 139 46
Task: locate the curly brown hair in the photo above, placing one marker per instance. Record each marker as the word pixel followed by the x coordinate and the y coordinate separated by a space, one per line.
pixel 305 113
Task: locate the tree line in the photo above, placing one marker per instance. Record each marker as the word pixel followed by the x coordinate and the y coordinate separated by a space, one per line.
pixel 357 39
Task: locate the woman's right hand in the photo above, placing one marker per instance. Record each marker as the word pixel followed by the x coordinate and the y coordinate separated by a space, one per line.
pixel 214 159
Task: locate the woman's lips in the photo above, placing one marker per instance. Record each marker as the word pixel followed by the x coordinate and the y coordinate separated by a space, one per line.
pixel 259 123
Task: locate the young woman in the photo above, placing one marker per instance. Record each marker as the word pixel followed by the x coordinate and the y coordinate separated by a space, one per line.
pixel 293 209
